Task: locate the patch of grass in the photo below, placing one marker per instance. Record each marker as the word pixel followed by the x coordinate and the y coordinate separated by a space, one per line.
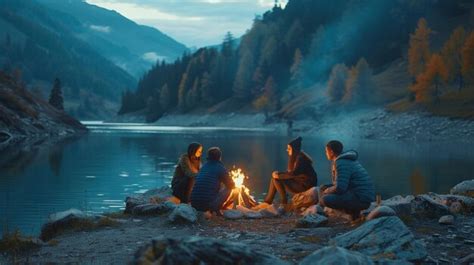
pixel 14 243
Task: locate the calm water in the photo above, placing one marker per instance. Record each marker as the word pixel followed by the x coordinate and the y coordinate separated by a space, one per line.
pixel 96 172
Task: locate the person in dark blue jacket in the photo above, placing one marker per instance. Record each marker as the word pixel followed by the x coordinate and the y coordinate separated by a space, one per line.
pixel 352 189
pixel 213 185
pixel 299 177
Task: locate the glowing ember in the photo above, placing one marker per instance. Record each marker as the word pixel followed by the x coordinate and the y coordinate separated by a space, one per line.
pixel 241 193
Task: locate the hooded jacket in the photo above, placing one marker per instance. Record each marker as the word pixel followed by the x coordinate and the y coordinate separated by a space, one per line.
pixel 303 171
pixel 184 170
pixel 348 175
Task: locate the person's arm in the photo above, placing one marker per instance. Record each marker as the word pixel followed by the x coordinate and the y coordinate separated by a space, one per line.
pixel 342 176
pixel 227 180
pixel 185 165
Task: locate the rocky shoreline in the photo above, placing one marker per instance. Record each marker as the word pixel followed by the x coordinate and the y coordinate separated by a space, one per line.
pixel 375 123
pixel 422 229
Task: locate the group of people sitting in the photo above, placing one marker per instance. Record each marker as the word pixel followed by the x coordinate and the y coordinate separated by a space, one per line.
pixel 209 186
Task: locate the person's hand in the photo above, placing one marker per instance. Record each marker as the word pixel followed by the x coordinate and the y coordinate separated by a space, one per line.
pixel 275 174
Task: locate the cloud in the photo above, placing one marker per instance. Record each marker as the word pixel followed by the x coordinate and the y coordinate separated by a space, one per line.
pixel 104 29
pixel 152 57
pixel 193 22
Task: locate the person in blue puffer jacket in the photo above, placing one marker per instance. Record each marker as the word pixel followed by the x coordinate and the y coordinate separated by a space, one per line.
pixel 213 185
pixel 352 189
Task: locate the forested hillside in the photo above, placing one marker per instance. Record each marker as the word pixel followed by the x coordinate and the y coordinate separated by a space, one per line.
pixel 333 51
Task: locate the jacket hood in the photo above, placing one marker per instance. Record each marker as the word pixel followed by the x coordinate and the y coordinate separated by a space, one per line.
pixel 306 157
pixel 349 155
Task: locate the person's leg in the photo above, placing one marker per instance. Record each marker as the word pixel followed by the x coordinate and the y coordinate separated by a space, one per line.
pixel 346 202
pixel 179 191
pixel 274 187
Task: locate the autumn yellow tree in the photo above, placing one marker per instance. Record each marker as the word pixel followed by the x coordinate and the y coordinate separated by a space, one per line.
pixel 267 101
pixel 452 55
pixel 419 49
pixel 427 86
pixel 467 68
pixel 359 84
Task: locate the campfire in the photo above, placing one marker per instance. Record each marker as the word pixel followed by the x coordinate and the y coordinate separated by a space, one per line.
pixel 241 194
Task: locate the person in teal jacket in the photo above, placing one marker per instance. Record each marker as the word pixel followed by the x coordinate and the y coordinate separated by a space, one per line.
pixel 352 189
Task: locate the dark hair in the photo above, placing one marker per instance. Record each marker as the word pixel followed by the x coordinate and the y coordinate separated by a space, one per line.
pixel 335 146
pixel 214 154
pixel 192 148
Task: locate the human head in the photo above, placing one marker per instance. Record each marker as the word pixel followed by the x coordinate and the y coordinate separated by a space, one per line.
pixel 294 146
pixel 195 150
pixel 333 149
pixel 214 154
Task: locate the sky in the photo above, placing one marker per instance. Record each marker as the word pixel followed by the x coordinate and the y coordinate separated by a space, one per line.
pixel 195 23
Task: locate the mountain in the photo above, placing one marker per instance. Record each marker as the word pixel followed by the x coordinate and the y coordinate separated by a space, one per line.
pixel 135 48
pixel 334 51
pixel 24 116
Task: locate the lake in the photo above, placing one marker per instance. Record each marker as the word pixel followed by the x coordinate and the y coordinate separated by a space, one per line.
pixel 97 171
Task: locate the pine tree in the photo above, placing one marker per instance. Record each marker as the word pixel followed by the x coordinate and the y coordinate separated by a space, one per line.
pixel 165 100
pixel 337 82
pixel 419 50
pixel 428 83
pixel 295 69
pixel 268 100
pixel 56 96
pixel 359 85
pixel 243 78
pixel 452 55
pixel 467 68
pixel 182 91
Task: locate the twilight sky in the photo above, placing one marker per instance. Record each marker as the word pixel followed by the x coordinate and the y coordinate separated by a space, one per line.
pixel 195 23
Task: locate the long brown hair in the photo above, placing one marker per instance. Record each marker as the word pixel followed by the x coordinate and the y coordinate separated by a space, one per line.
pixel 192 149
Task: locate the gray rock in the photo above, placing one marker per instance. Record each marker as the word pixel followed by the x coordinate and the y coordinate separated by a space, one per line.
pixel 312 220
pixel 385 236
pixel 199 250
pixel 132 202
pixel 446 220
pixel 233 214
pixel 425 206
pixel 61 221
pixel 305 199
pixel 314 209
pixel 467 260
pixel 153 209
pixel 270 211
pixel 183 213
pixel 381 211
pixel 401 205
pixel 250 214
pixel 155 196
pixel 336 255
pixel 465 188
pixel 458 203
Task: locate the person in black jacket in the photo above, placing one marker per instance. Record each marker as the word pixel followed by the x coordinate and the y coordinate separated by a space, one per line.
pixel 213 184
pixel 299 177
pixel 186 170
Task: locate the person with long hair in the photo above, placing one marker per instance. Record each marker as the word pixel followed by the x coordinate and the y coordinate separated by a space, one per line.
pixel 299 177
pixel 185 172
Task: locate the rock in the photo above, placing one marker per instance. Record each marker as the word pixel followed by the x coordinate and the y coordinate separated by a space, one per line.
pixel 270 211
pixel 233 214
pixel 183 213
pixel 458 203
pixel 401 205
pixel 154 196
pixel 248 213
pixel 61 221
pixel 446 220
pixel 314 209
pixel 334 213
pixel 153 209
pixel 381 211
pixel 424 206
pixel 465 188
pixel 132 202
pixel 382 237
pixel 199 250
pixel 305 199
pixel 336 255
pixel 469 259
pixel 312 220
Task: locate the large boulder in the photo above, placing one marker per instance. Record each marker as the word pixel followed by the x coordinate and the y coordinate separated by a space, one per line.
pixel 306 198
pixel 233 214
pixel 66 220
pixel 426 206
pixel 336 255
pixel 199 250
pixel 155 196
pixel 381 238
pixel 381 211
pixel 401 205
pixel 465 188
pixel 311 220
pixel 150 209
pixel 183 213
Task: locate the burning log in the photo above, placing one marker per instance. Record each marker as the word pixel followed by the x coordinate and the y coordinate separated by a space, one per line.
pixel 241 194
